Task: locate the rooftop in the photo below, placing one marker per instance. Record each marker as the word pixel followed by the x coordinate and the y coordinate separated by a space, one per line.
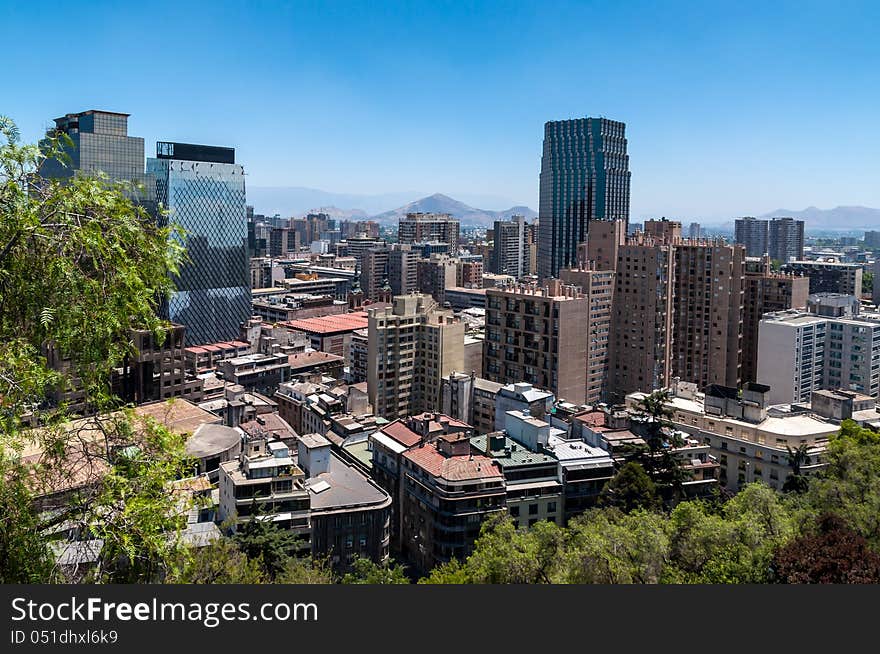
pixel 511 454
pixel 309 359
pixel 211 440
pixel 179 415
pixel 453 468
pixel 343 486
pixel 398 431
pixel 342 322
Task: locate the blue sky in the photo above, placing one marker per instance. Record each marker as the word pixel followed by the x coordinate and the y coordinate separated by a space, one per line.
pixel 731 108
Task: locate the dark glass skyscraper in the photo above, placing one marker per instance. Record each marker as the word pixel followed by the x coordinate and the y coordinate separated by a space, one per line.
pixel 584 176
pixel 204 191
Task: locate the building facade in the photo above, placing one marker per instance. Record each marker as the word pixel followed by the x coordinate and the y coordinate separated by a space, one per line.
pixel 766 292
pixel 754 234
pixel 203 190
pixel 537 335
pixel 584 176
pixel 426 227
pixel 412 345
pixel 786 239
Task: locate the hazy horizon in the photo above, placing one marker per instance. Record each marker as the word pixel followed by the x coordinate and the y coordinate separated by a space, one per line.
pixel 729 111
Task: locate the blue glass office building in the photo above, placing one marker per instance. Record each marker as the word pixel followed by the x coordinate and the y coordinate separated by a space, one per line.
pixel 584 176
pixel 204 191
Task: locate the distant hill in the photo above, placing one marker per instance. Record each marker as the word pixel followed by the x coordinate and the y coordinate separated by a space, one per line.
pixel 298 201
pixel 439 203
pixel 838 218
pixel 341 214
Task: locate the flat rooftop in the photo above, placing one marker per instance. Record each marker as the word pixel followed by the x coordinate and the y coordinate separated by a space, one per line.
pixel 343 486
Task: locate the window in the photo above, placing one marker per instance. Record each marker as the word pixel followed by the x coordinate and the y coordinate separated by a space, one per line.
pixel 514 511
pixel 551 507
pixel 533 509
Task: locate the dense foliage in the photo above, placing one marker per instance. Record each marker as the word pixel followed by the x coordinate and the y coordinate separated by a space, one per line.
pixel 828 532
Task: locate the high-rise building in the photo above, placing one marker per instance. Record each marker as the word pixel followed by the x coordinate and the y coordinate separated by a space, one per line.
pixel 677 310
pixel 667 230
pixel 584 176
pixel 374 272
pixel 509 253
pixel 100 143
pixel 204 191
pixel 598 287
pixel 403 273
pixel 799 352
pixel 754 234
pixel 872 239
pixel 436 275
pixel 413 344
pixel 283 241
pixel 426 227
pixel 695 230
pixel 708 312
pixel 537 335
pixel 875 289
pixel 766 292
pixel 786 239
pixel 641 323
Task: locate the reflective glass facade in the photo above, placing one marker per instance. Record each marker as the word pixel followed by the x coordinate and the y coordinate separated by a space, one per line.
pixel 207 199
pixel 584 176
pixel 101 144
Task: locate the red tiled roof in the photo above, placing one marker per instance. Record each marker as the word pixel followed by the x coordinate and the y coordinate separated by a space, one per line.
pixel 452 468
pixel 593 418
pixel 401 433
pixel 341 322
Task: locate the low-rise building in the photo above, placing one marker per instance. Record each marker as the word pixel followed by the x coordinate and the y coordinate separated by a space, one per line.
pixel 265 483
pixel 261 373
pixel 748 436
pixel 349 513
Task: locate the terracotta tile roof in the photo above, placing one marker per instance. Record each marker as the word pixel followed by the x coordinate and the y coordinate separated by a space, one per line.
pixel 341 322
pixel 452 468
pixel 593 418
pixel 401 433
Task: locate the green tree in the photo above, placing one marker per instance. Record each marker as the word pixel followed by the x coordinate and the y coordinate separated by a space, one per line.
pixel 80 266
pixel 611 547
pixel 850 485
pixel 631 488
pixel 796 482
pixel 262 540
pixel 366 571
pixel 219 562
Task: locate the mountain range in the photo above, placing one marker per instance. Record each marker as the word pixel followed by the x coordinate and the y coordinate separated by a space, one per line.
pixel 439 203
pixel 838 218
pixel 297 201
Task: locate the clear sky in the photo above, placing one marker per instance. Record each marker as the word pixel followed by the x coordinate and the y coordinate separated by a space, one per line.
pixel 731 108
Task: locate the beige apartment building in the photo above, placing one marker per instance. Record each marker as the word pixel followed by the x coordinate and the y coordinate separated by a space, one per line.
pixel 537 335
pixel 749 436
pixel 598 287
pixel 412 345
pixel 677 308
pixel 708 311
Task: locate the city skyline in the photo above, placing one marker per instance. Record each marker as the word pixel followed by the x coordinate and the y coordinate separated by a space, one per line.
pixel 351 100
